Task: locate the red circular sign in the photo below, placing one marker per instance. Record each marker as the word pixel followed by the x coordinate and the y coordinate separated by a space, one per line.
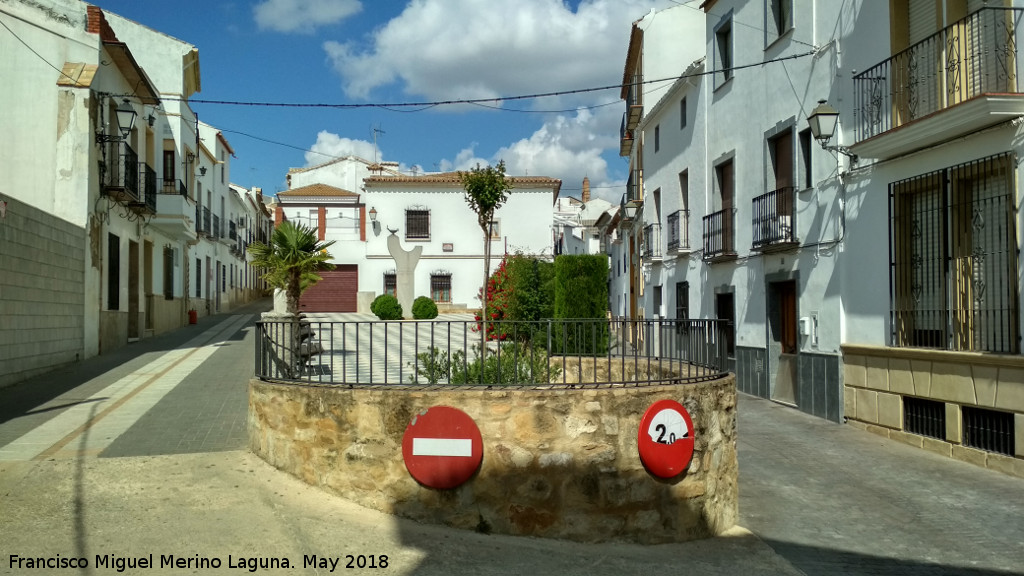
pixel 442 447
pixel 665 439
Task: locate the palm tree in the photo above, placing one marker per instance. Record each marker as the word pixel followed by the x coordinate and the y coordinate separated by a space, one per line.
pixel 291 260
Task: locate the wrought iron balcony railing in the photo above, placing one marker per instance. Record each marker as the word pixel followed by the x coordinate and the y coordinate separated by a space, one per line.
pixel 216 226
pixel 173 186
pixel 774 219
pixel 206 222
pixel 634 100
pixel 652 241
pixel 719 234
pixel 232 230
pixel 147 200
pixel 634 193
pixel 120 173
pixel 974 56
pixel 625 137
pixel 678 230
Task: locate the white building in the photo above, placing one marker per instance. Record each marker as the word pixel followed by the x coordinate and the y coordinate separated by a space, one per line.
pixel 427 212
pixel 574 230
pixel 875 280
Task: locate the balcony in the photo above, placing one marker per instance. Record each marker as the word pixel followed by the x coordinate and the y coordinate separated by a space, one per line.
pixel 720 236
pixel 634 101
pixel 625 138
pixel 206 228
pixel 774 221
pixel 232 230
pixel 953 83
pixel 146 205
pixel 119 174
pixel 678 232
pixel 174 210
pixel 171 186
pixel 652 242
pixel 216 226
pixel 634 192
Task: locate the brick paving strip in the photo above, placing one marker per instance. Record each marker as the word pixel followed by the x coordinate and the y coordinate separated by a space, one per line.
pixel 110 412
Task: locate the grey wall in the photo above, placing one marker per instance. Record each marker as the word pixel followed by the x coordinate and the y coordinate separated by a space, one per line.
pixel 819 388
pixel 42 292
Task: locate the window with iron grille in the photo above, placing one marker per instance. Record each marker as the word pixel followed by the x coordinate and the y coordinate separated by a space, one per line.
pixel 417 224
pixel 953 258
pixel 441 287
pixel 924 417
pixel 113 272
pixel 391 283
pixel 989 430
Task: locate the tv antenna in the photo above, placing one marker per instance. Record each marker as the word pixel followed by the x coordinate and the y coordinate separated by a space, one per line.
pixel 376 131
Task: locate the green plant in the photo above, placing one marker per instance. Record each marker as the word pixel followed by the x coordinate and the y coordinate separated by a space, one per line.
pixel 581 301
pixel 423 308
pixel 511 363
pixel 291 260
pixel 386 307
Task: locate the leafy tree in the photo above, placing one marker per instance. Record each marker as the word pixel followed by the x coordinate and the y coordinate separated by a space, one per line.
pixel 487 189
pixel 291 260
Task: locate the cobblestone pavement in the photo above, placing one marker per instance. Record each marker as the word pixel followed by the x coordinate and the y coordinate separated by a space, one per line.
pixel 832 499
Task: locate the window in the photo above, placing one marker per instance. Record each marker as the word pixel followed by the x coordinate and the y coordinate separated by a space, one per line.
pixel 657 138
pixel 725 309
pixel 168 171
pixel 682 113
pixel 495 229
pixel 657 302
pixel 723 52
pixel 441 287
pixel 199 278
pixel 778 19
pixel 682 300
pixel 805 159
pixel 391 283
pixel 223 278
pixel 168 273
pixel 953 258
pixel 417 224
pixel 113 272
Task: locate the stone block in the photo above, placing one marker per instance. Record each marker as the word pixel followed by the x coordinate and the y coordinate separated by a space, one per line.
pixel 877 373
pixel 1018 434
pixel 1006 465
pixel 901 378
pixel 936 446
pixel 954 424
pixel 1010 390
pixel 922 373
pixel 985 381
pixel 867 406
pixel 890 410
pixel 849 402
pixel 952 383
pixel 906 438
pixel 970 455
pixel 854 372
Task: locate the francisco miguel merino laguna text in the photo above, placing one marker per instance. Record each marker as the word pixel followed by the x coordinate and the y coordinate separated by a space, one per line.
pixel 122 563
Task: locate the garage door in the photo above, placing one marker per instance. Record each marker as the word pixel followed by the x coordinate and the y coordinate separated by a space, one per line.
pixel 335 293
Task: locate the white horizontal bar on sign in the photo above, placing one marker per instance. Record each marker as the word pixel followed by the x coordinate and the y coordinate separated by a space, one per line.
pixel 442 447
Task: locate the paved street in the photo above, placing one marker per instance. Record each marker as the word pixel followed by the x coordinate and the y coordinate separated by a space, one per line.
pixel 143 451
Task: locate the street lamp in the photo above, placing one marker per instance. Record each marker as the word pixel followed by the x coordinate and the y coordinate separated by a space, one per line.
pixel 823 121
pixel 373 214
pixel 125 121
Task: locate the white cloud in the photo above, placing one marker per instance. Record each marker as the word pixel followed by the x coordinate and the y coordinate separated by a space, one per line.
pixel 565 147
pixel 329 146
pixel 456 49
pixel 302 16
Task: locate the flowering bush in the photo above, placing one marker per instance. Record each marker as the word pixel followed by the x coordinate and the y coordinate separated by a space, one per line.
pixel 499 288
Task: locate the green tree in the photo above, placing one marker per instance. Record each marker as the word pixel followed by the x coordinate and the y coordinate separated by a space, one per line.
pixel 486 190
pixel 291 260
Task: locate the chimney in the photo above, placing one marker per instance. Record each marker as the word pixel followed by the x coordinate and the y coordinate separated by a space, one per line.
pixel 586 189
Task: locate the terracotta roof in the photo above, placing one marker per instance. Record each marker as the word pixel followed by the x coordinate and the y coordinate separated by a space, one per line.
pixel 453 178
pixel 317 190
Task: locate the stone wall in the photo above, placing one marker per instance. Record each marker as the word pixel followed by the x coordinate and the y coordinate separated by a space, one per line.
pixel 877 378
pixel 560 463
pixel 42 292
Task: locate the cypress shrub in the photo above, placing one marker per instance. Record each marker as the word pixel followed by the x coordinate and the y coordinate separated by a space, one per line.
pixel 423 308
pixel 386 307
pixel 581 302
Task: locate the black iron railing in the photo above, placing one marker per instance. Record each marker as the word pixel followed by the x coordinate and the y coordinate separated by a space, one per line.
pixel 976 55
pixel 147 201
pixel 774 218
pixel 989 430
pixel 173 186
pixel 121 172
pixel 232 230
pixel 634 100
pixel 719 234
pixel 633 191
pixel 924 417
pixel 206 222
pixel 652 241
pixel 216 226
pixel 678 230
pixel 569 353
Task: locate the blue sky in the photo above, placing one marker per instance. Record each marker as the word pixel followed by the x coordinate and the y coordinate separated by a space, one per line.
pixel 364 51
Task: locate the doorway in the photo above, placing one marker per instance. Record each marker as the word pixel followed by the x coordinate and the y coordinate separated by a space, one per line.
pixel 783 347
pixel 133 291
